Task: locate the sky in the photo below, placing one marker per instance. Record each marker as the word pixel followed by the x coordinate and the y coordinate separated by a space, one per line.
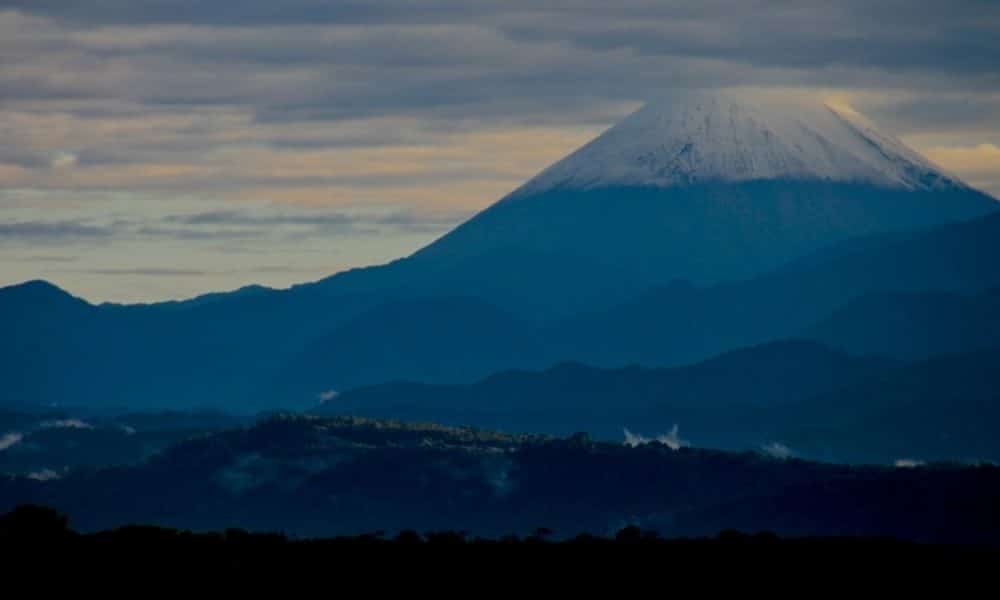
pixel 156 149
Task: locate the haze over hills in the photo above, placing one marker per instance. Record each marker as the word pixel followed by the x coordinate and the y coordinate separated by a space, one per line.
pixel 683 323
pixel 946 407
pixel 725 402
pixel 913 325
pixel 48 444
pixel 792 398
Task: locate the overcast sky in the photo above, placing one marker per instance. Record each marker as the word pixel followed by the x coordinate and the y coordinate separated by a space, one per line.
pixel 161 148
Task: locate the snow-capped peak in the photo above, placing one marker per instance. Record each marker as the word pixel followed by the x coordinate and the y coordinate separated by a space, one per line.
pixel 721 137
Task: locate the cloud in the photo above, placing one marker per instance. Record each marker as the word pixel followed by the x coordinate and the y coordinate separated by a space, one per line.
pixel 908 463
pixel 153 272
pixel 235 217
pixel 319 60
pixel 41 258
pixel 777 450
pixel 8 440
pixel 979 163
pixel 412 221
pixel 851 31
pixel 217 225
pixel 328 395
pixel 324 222
pixel 188 234
pixel 44 475
pixel 982 158
pixel 671 439
pixel 67 424
pixel 170 272
pixel 63 160
pixel 498 471
pixel 52 231
pixel 962 112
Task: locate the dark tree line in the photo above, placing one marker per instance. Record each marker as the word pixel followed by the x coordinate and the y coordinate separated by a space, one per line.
pixel 40 537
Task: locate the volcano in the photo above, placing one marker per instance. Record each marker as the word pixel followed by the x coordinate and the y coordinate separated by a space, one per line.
pixel 703 187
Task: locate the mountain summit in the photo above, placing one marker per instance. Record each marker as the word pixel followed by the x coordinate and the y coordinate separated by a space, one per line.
pixel 720 137
pixel 704 187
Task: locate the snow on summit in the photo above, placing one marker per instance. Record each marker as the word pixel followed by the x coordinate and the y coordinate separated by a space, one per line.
pixel 720 137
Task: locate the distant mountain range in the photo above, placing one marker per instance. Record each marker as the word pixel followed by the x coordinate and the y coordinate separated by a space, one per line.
pixel 914 325
pixel 793 398
pixel 700 225
pixel 681 322
pixel 722 402
pixel 273 349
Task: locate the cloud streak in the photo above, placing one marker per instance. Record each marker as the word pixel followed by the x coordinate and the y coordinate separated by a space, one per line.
pixel 53 230
pixel 9 440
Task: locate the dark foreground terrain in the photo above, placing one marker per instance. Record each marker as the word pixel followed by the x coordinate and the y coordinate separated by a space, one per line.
pixel 36 536
pixel 322 477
